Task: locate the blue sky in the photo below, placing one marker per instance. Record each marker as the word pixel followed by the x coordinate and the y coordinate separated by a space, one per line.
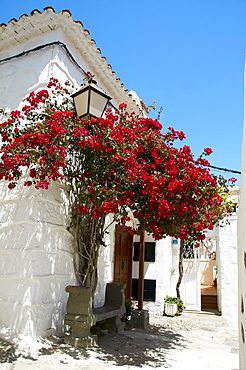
pixel 187 55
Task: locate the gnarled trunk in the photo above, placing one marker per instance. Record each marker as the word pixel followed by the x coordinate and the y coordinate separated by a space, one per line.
pixel 181 269
pixel 88 235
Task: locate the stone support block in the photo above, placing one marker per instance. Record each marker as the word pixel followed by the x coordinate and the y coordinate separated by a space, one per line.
pixel 79 317
pixel 115 324
pixel 140 319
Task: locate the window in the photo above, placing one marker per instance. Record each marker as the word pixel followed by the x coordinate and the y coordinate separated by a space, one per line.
pixel 149 290
pixel 149 252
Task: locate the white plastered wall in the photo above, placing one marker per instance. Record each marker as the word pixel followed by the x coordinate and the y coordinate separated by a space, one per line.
pixel 105 267
pixel 159 271
pixel 242 251
pixel 228 270
pixel 36 254
pixel 36 261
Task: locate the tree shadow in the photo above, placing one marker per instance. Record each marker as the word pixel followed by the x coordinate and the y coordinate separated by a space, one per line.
pixel 131 347
pixel 10 353
pixel 140 347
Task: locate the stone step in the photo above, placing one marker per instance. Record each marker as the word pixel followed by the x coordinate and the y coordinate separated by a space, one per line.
pixel 209 301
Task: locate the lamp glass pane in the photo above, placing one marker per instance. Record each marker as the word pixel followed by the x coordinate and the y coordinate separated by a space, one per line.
pixel 97 104
pixel 81 103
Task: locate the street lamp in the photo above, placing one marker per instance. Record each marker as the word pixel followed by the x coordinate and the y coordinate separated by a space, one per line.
pixel 90 101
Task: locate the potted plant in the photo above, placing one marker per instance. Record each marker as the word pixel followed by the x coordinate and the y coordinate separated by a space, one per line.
pixel 180 305
pixel 129 308
pixel 173 306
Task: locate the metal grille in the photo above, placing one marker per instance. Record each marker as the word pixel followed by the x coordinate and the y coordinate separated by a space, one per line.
pixel 188 251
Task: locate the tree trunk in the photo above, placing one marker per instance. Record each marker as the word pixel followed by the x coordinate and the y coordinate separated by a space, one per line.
pixel 181 270
pixel 88 240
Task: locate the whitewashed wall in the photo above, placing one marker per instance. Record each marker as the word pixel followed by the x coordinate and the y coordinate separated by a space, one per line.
pixel 160 271
pixel 20 76
pixel 105 264
pixel 242 267
pixel 36 260
pixel 207 271
pixel 242 250
pixel 228 270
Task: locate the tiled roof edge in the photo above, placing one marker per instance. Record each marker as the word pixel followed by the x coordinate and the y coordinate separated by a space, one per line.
pixel 94 57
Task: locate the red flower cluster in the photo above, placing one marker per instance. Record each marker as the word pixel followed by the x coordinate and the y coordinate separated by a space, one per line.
pixel 112 165
pixel 208 151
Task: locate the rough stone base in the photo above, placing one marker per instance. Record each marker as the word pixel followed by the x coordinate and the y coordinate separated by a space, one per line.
pixel 140 319
pixel 90 341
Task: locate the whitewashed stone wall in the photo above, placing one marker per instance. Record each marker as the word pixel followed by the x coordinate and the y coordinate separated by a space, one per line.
pixel 36 261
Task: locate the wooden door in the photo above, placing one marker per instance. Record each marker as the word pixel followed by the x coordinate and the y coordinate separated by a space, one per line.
pixel 123 259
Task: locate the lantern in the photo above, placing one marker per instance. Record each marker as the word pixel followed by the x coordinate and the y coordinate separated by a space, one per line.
pixel 90 101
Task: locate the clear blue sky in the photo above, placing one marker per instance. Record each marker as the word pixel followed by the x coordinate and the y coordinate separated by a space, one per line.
pixel 187 55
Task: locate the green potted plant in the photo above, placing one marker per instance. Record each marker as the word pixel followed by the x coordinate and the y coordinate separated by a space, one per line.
pixel 173 306
pixel 129 308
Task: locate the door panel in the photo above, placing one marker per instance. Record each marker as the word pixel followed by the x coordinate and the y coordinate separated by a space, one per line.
pixel 123 259
pixel 190 286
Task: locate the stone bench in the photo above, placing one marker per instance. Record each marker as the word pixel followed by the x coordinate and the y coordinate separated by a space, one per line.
pixel 80 316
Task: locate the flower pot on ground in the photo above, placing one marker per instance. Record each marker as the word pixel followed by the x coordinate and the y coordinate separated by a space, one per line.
pixel 173 306
pixel 171 309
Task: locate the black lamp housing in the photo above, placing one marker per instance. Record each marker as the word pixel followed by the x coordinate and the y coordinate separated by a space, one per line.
pixel 90 101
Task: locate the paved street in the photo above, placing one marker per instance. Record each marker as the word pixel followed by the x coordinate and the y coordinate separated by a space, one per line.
pixel 188 342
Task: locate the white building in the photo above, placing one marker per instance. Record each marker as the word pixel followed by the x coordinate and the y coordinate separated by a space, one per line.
pixel 36 259
pixel 36 255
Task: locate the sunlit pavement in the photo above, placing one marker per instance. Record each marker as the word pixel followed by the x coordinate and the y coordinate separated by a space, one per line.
pixel 188 342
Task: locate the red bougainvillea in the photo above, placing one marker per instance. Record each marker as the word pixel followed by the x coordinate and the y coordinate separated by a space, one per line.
pixel 119 164
pixel 123 162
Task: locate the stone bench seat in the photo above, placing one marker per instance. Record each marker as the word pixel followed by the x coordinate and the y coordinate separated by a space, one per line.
pixel 103 313
pixel 80 316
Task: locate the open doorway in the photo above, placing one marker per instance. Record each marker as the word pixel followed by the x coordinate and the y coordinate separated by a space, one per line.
pixel 208 266
pixel 199 285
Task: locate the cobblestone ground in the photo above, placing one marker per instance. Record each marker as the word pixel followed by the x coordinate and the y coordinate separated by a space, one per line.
pixel 187 342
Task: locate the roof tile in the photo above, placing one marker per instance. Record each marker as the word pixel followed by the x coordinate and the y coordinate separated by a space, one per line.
pixel 43 22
